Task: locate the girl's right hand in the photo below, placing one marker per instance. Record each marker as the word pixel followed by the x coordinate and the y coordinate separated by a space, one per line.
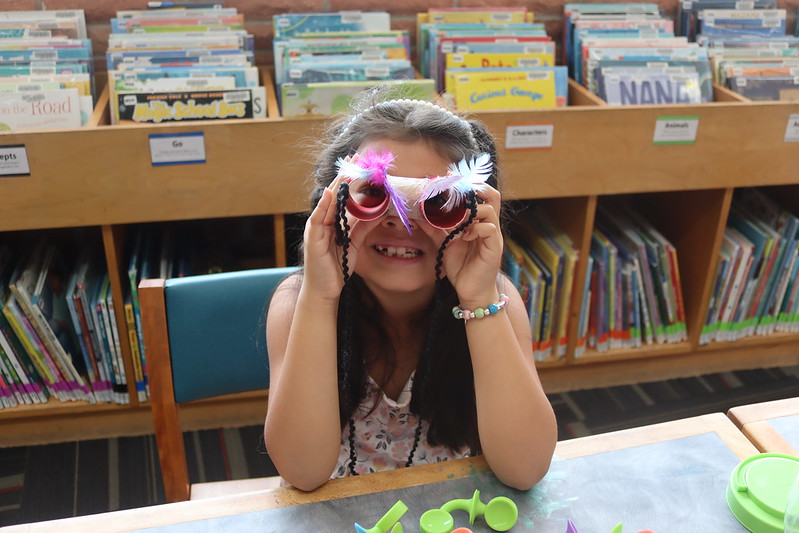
pixel 322 256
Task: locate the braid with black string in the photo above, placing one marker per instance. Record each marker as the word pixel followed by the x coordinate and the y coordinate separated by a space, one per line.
pixel 422 383
pixel 343 240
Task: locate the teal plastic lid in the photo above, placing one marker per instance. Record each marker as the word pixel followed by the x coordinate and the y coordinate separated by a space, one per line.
pixel 758 491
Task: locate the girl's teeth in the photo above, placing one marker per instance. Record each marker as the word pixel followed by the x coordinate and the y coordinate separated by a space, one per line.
pixel 399 251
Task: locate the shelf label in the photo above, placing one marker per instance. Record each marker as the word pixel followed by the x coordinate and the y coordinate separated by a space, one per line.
pixel 676 130
pixel 534 136
pixel 792 129
pixel 177 148
pixel 14 161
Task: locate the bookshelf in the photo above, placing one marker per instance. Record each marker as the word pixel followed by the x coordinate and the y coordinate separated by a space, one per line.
pixel 102 177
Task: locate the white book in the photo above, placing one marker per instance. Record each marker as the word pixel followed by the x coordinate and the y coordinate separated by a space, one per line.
pixel 40 110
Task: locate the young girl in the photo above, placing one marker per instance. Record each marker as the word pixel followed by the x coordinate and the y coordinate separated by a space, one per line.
pixel 375 359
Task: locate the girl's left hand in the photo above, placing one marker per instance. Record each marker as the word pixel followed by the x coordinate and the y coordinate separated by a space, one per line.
pixel 473 258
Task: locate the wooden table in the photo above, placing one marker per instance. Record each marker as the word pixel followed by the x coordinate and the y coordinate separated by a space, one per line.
pixel 771 426
pixel 659 477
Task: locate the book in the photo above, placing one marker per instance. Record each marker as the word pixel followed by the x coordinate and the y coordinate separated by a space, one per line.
pixel 181 106
pixel 513 90
pixel 40 110
pixel 325 99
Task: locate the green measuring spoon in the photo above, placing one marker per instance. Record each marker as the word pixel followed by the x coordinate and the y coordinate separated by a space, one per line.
pixel 500 513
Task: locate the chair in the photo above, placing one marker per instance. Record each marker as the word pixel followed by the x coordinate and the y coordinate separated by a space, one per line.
pixel 204 338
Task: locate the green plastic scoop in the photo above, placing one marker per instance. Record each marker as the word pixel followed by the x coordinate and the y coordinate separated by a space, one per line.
pixel 500 513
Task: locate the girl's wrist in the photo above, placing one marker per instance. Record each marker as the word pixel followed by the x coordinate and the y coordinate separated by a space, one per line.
pixel 316 298
pixel 482 299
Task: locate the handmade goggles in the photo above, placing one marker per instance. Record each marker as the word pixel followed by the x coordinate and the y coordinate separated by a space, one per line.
pixel 439 200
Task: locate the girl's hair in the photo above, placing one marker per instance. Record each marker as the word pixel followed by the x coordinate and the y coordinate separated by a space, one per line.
pixel 443 387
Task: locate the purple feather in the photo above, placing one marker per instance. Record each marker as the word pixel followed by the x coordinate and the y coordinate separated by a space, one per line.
pixel 377 165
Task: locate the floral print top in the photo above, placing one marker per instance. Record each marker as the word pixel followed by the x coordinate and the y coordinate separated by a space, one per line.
pixel 384 436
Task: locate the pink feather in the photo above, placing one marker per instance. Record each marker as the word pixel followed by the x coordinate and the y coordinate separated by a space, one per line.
pixel 377 165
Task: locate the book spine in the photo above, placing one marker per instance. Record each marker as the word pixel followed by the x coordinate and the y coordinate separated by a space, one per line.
pixel 133 340
pixel 116 348
pixel 105 350
pixel 86 344
pixel 89 327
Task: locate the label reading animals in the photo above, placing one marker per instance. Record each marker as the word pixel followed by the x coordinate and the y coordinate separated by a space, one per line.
pixel 676 130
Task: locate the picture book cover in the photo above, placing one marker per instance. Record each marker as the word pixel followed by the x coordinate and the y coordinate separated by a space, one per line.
pixel 496 90
pixel 75 16
pixel 325 99
pixel 180 106
pixel 475 16
pixel 355 71
pixel 491 60
pixel 289 24
pixel 40 110
pixel 560 72
pixel 766 88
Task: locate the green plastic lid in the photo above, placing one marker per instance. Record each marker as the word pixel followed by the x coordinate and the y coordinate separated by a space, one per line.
pixel 758 491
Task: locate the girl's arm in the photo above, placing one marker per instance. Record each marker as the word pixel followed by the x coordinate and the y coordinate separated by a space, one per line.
pixel 302 429
pixel 515 420
pixel 514 417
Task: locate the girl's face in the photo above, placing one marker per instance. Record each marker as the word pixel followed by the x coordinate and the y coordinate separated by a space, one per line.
pixel 389 258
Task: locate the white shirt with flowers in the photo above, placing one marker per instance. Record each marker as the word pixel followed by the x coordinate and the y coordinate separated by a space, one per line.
pixel 384 435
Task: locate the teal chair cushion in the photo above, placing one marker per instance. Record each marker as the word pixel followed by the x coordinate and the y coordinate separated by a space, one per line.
pixel 217 331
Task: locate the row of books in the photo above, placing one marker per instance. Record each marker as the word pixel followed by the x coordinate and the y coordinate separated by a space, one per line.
pixel 58 334
pixel 541 261
pixel 632 295
pixel 755 288
pixel 322 60
pixel 628 54
pixel 490 58
pixel 185 63
pixel 46 70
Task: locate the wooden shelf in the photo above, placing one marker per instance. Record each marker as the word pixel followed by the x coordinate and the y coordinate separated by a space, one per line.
pixel 102 176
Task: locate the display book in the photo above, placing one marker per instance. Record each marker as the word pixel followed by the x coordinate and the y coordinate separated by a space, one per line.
pixel 541 261
pixel 755 289
pixel 323 59
pixel 182 64
pixel 46 70
pixel 479 63
pixel 58 335
pixel 628 54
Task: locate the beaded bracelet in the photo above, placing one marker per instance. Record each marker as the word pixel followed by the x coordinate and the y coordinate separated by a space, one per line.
pixel 480 312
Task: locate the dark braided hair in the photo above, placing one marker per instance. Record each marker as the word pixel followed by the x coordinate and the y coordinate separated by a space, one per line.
pixel 448 407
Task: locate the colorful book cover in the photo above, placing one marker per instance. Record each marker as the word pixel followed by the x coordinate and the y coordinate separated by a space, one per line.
pixel 40 110
pixel 325 99
pixel 561 79
pixel 290 24
pixel 476 16
pixel 183 106
pixel 496 90
pixel 652 89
